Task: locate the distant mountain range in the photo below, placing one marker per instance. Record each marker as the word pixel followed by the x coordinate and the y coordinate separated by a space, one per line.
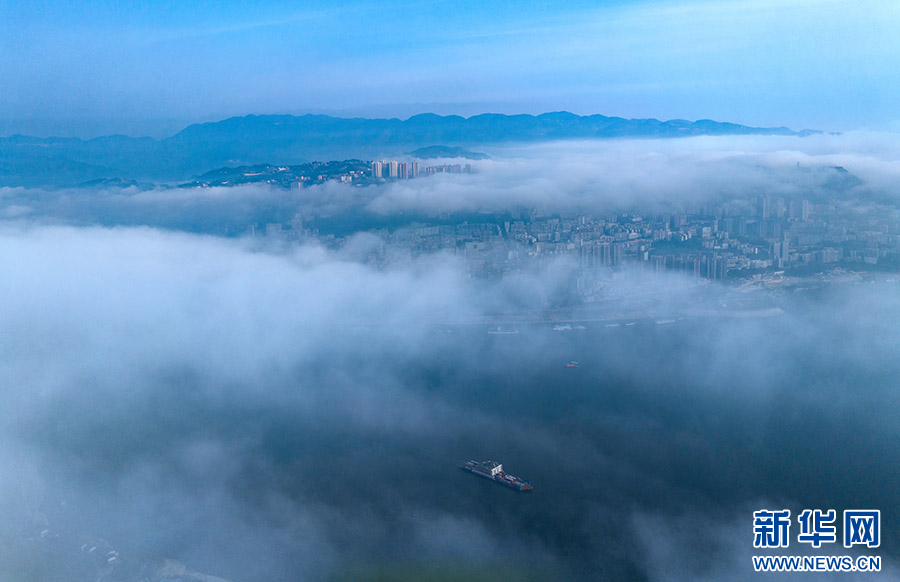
pixel 287 139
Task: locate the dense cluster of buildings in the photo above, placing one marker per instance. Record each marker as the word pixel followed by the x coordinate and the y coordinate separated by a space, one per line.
pixel 736 239
pixel 448 169
pixel 395 170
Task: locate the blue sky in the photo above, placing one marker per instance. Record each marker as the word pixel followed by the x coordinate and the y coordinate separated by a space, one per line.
pixel 142 68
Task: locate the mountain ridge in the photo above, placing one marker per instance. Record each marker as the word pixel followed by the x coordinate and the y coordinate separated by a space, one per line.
pixel 293 139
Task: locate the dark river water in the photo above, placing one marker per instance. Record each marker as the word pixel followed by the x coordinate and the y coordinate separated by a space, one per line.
pixel 647 459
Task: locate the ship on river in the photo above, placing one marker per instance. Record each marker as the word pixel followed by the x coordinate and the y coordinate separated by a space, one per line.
pixel 494 471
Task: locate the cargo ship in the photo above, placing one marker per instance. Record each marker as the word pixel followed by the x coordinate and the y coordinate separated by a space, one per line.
pixel 494 471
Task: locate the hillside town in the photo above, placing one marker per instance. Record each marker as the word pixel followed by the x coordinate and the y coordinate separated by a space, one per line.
pixel 761 237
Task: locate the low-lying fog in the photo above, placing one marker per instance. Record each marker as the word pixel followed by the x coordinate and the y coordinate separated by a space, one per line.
pixel 283 412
